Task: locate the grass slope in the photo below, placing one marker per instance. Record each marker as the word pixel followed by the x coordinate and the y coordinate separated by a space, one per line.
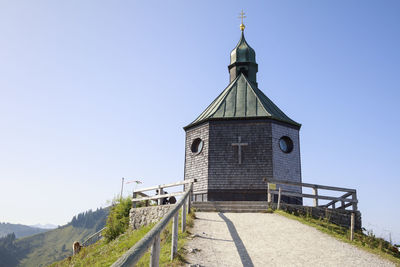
pixel 105 254
pixel 368 242
pixel 19 230
pixel 44 248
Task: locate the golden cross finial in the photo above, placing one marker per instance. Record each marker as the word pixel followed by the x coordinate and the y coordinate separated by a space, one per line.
pixel 242 16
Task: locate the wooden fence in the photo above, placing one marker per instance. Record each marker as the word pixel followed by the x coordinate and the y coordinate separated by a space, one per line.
pixel 348 199
pixel 152 238
pixel 138 194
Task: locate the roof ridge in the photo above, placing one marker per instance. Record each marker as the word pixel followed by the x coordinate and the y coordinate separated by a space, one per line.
pixel 275 108
pixel 254 92
pixel 207 112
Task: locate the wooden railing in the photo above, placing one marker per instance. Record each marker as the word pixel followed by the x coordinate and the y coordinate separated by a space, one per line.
pixel 152 238
pixel 138 194
pixel 344 200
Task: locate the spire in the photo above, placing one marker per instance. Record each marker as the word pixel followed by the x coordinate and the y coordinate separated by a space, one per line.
pixel 243 58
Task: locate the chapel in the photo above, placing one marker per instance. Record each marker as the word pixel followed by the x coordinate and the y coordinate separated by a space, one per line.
pixel 241 138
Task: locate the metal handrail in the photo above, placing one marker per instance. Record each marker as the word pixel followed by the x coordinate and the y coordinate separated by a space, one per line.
pixel 88 242
pixel 133 255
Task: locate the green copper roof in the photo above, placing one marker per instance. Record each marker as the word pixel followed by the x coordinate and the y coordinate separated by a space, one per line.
pixel 243 52
pixel 242 99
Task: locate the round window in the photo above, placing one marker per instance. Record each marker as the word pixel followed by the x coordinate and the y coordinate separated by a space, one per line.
pixel 286 144
pixel 197 145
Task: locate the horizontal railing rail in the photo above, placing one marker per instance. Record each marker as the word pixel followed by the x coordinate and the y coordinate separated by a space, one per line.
pixel 325 187
pixel 93 238
pixel 293 194
pixel 164 186
pixel 158 196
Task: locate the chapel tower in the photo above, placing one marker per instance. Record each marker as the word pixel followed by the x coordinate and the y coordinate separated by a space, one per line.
pixel 241 138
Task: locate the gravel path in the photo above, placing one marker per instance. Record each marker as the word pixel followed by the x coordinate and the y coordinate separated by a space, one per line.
pixel 260 239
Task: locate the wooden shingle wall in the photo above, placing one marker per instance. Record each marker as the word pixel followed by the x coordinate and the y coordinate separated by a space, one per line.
pixel 196 165
pixel 225 172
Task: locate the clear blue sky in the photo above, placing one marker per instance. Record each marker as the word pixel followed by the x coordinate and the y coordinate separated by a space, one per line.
pixel 92 91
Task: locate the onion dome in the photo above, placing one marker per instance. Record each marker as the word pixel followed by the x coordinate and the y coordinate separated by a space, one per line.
pixel 243 52
pixel 243 61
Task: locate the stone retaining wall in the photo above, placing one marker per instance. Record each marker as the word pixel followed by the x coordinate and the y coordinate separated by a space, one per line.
pixel 139 217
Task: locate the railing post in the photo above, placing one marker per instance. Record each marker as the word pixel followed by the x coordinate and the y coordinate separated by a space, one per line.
pixel 160 192
pixel 134 202
pixel 183 225
pixel 279 199
pixel 315 191
pixel 269 197
pixel 352 226
pixel 155 252
pixel 174 243
pixel 190 197
pixel 354 197
pixel 188 205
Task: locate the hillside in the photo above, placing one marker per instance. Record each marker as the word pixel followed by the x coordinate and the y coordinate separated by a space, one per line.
pixel 45 248
pixel 19 230
pixel 103 253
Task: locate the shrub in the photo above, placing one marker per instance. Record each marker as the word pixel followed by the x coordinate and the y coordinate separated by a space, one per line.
pixel 118 219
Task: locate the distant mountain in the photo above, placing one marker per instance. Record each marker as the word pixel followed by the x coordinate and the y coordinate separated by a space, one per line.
pixel 45 226
pixel 19 230
pixel 52 245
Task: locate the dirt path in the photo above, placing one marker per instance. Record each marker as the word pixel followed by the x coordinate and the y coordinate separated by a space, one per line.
pixel 260 239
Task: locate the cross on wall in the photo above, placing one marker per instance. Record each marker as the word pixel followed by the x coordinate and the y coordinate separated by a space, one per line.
pixel 239 144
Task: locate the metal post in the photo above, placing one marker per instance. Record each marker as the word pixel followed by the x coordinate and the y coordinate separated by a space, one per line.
pixel 315 191
pixel 183 225
pixel 352 226
pixel 174 243
pixel 279 199
pixel 155 252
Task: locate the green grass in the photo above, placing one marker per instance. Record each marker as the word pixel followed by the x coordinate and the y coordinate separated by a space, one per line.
pixel 45 248
pixel 105 254
pixel 368 242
